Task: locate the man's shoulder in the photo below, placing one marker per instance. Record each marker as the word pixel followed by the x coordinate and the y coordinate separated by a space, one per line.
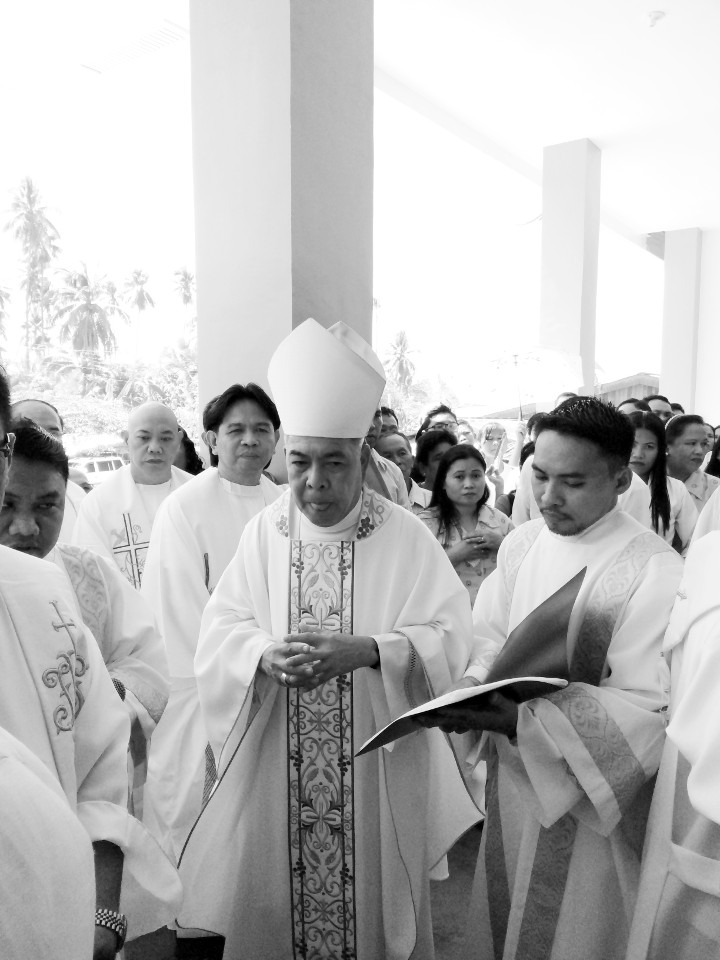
pixel 107 491
pixel 196 489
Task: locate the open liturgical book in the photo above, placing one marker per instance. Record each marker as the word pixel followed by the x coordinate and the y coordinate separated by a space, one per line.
pixel 532 662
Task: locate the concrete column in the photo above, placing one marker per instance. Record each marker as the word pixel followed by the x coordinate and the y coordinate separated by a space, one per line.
pixel 282 103
pixel 707 394
pixel 570 237
pixel 681 316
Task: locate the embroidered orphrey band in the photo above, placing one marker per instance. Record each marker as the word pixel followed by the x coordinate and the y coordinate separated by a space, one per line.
pixel 320 765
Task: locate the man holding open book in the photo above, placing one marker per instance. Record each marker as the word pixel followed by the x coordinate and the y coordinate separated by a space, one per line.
pixel 584 594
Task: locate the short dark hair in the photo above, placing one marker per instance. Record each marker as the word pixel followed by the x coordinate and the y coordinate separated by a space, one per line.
pixel 394 432
pixel 45 403
pixel 429 440
pixel 389 412
pixel 534 420
pixel 678 407
pixel 596 421
pixel 5 409
pixel 193 463
pixel 35 444
pixel 643 404
pixel 676 426
pixel 440 500
pixel 215 409
pixel 655 396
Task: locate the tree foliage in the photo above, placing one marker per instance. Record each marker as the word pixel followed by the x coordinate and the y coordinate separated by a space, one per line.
pixel 85 309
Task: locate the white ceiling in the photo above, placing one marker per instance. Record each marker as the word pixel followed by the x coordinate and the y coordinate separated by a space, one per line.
pixel 511 76
pixel 514 76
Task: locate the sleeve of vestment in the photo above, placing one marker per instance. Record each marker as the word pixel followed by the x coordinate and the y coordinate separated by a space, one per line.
pixel 694 632
pixel 174 585
pixel 589 749
pixel 135 654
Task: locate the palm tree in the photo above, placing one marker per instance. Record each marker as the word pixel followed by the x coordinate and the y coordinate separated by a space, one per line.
pixel 135 293
pixel 4 300
pixel 185 286
pixel 87 308
pixel 400 366
pixel 38 237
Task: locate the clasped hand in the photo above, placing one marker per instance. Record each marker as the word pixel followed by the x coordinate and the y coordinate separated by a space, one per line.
pixel 492 712
pixel 312 657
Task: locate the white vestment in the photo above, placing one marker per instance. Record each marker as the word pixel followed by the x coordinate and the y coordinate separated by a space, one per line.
pixel 47 875
pixel 678 907
pixel 683 514
pixel 74 497
pixel 195 536
pixel 709 518
pixel 635 501
pixel 114 522
pixel 57 698
pixel 566 802
pixel 385 477
pixel 301 846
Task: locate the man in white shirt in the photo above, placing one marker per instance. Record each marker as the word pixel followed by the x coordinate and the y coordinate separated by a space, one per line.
pixel 116 519
pixel 570 773
pixel 47 416
pixel 196 534
pixel 395 447
pixel 382 475
pixel 338 611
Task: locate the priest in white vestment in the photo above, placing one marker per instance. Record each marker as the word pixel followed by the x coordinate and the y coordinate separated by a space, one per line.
pixel 47 875
pixel 395 447
pixel 196 534
pixel 709 518
pixel 120 619
pixel 116 519
pixel 570 773
pixel 47 416
pixel 339 611
pixel 678 908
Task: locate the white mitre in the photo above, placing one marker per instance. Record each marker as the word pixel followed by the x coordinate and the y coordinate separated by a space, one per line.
pixel 325 383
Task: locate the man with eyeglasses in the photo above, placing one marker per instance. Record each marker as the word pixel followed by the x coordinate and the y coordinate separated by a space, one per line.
pixel 116 519
pixel 45 415
pixel 57 698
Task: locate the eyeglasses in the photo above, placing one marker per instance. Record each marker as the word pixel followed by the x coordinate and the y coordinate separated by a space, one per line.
pixel 6 448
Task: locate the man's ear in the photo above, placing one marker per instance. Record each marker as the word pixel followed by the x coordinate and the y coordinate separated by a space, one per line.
pixel 210 438
pixel 365 452
pixel 623 480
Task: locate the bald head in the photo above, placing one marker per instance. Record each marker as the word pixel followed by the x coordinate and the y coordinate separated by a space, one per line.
pixel 40 412
pixel 153 441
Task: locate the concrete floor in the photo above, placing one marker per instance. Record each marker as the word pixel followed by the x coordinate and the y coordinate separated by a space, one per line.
pixel 450 901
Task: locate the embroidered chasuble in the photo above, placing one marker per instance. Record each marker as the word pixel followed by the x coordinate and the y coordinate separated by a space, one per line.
pixel 325 855
pixel 567 802
pixel 115 520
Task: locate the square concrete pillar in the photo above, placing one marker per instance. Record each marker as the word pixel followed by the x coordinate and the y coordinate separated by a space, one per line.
pixel 681 316
pixel 282 106
pixel 570 239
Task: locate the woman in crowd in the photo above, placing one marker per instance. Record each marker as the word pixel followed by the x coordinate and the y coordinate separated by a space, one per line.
pixel 431 447
pixel 713 465
pixel 459 516
pixel 493 442
pixel 672 511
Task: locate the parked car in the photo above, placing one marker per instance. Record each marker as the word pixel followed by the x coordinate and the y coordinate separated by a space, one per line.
pixel 97 468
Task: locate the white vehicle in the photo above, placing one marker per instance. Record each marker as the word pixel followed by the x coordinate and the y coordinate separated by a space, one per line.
pixel 97 468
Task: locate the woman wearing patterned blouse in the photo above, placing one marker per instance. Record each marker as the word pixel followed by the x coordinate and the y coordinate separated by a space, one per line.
pixel 459 516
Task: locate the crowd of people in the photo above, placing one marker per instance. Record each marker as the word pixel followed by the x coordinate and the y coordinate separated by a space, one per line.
pixel 194 654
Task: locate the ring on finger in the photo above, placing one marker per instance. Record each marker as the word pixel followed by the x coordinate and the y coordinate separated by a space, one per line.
pixel 283 678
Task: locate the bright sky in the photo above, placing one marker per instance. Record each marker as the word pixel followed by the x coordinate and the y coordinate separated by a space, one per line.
pixel 457 235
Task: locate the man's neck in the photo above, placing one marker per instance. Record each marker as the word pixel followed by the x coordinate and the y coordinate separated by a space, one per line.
pixel 140 477
pixel 243 479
